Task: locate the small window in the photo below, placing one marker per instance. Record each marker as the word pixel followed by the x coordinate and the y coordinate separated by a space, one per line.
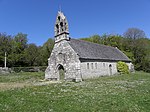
pixel 88 66
pixel 57 27
pixel 104 64
pixel 95 65
pixel 61 24
pixel 59 18
pixel 92 65
pixel 110 65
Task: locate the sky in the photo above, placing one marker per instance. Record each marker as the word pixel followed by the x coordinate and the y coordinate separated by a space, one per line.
pixel 36 18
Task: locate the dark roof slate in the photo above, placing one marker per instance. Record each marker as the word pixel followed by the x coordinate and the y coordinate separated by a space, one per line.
pixel 89 50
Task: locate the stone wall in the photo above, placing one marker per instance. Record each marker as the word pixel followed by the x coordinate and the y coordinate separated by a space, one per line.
pixel 131 67
pixel 4 70
pixel 96 69
pixel 64 55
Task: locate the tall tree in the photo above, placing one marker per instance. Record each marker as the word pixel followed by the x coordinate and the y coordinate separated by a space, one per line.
pixel 112 40
pixel 94 39
pixel 46 50
pixel 19 45
pixel 5 46
pixel 31 55
pixel 134 33
pixel 20 41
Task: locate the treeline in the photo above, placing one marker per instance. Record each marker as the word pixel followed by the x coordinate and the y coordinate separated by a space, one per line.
pixel 133 43
pixel 21 54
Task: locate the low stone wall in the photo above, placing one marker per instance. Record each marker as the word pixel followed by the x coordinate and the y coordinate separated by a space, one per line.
pixel 28 69
pixel 4 70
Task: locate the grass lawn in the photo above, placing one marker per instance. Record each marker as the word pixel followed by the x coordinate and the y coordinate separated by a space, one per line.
pixel 23 92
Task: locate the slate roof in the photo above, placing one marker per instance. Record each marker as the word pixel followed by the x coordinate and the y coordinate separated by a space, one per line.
pixel 88 50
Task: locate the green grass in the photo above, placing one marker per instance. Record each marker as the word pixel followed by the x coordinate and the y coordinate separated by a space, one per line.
pixel 120 93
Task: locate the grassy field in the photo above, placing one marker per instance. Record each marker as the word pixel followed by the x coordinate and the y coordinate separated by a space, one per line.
pixel 25 92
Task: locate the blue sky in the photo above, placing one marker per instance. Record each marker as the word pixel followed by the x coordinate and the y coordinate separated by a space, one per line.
pixel 86 17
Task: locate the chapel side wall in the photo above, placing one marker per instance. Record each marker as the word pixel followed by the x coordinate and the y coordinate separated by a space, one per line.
pixel 97 69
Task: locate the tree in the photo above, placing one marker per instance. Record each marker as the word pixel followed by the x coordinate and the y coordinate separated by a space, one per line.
pixel 137 44
pixel 5 46
pixel 94 39
pixel 19 44
pixel 45 51
pixel 142 55
pixel 134 33
pixel 112 40
pixel 20 41
pixel 31 55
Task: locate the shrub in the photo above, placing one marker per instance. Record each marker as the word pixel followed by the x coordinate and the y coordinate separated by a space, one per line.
pixel 122 67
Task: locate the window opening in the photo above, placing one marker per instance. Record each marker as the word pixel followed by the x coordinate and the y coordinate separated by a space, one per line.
pixel 92 65
pixel 95 65
pixel 88 66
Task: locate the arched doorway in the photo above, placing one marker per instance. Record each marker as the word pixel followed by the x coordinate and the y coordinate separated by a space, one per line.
pixel 110 69
pixel 61 72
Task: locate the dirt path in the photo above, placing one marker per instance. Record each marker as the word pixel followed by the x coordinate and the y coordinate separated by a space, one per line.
pixel 7 86
pixel 13 85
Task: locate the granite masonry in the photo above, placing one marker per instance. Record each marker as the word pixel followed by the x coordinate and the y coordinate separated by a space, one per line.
pixel 79 59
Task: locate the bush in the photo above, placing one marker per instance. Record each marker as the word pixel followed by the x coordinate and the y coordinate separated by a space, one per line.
pixel 122 67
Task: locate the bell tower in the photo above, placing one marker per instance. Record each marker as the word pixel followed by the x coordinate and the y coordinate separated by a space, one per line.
pixel 61 28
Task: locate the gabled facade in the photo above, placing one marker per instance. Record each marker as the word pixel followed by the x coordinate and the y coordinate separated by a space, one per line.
pixel 73 59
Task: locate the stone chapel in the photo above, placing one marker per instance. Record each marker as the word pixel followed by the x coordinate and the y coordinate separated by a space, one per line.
pixel 73 59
